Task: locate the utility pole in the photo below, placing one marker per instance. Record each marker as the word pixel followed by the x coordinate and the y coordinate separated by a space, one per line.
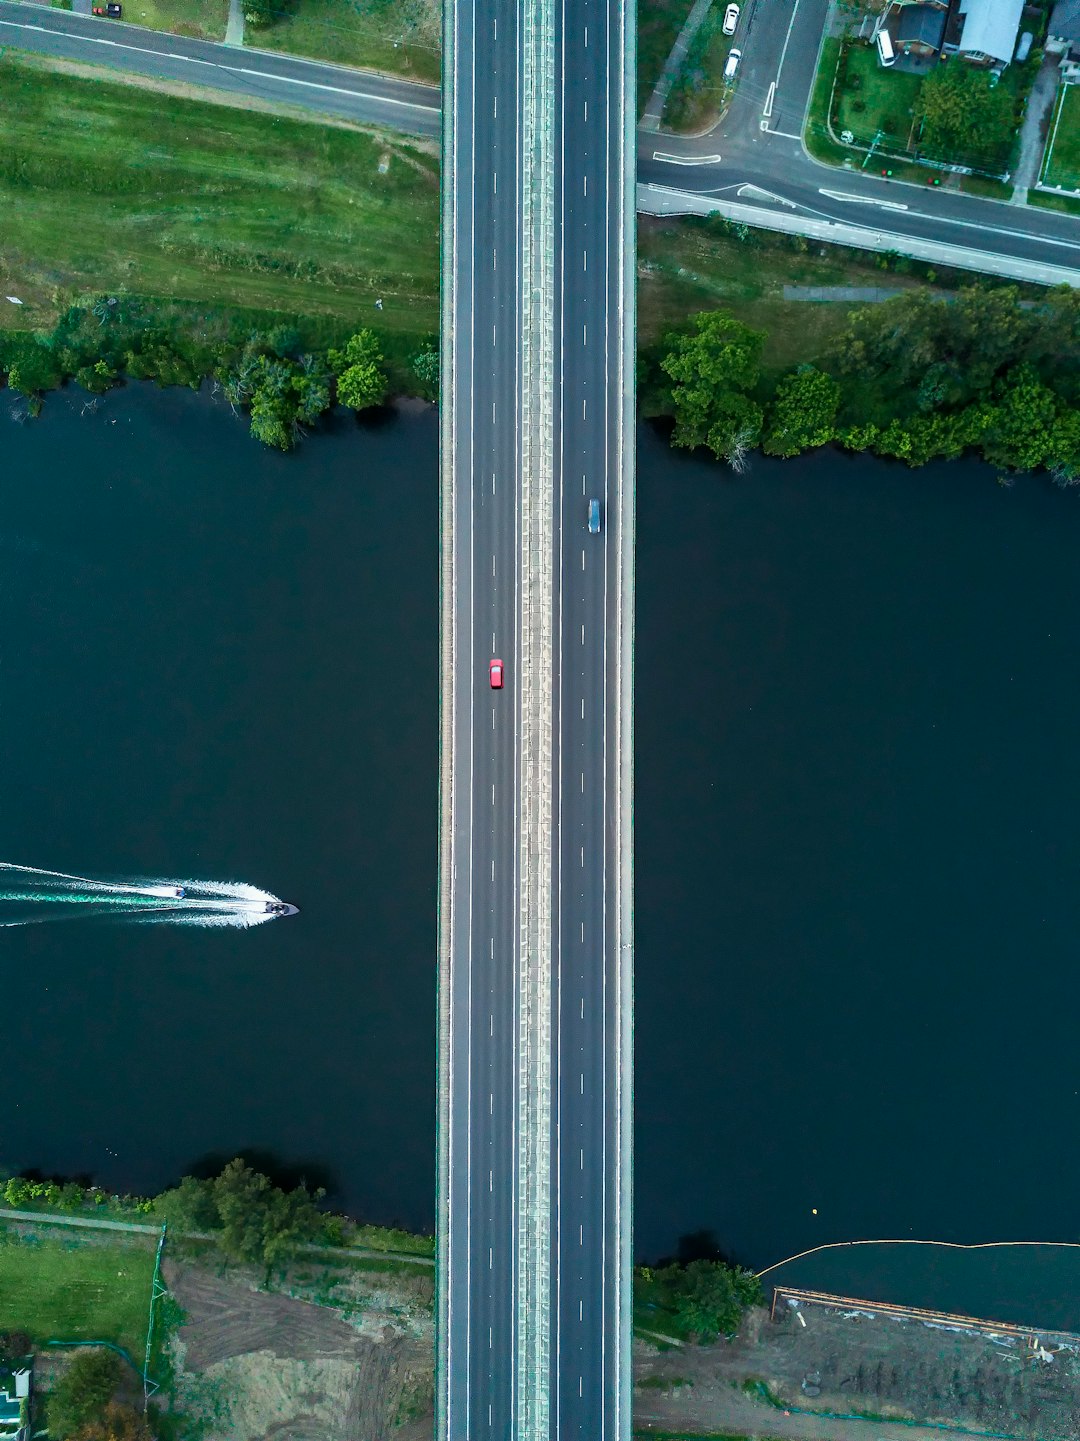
pixel 873 146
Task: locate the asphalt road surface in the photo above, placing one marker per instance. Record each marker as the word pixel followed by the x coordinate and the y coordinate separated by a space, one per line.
pixel 335 90
pixel 489 1214
pixel 478 1048
pixel 592 314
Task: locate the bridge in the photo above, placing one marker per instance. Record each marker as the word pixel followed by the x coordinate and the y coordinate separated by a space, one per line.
pixel 535 847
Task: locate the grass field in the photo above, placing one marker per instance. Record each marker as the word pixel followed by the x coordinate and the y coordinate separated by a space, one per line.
pixel 1062 163
pixel 203 19
pixel 400 38
pixel 113 187
pixel 698 93
pixel 659 23
pixel 76 1288
pixel 683 268
pixel 875 100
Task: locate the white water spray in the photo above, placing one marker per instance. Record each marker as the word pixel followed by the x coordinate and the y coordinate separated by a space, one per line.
pixel 30 895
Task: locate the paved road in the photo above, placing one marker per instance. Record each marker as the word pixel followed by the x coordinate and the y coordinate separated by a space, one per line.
pixel 334 90
pixel 594 338
pixel 756 152
pixel 534 912
pixel 480 873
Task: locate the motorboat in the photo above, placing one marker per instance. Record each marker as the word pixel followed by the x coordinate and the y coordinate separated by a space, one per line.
pixel 281 908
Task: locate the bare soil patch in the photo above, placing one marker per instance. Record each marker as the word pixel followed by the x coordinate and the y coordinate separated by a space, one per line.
pixel 856 1362
pixel 257 1364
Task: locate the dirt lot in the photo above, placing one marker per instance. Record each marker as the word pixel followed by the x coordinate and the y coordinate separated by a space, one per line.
pixel 348 1355
pixel 861 1363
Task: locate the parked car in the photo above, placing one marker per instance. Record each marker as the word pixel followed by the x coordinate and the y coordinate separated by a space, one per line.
pixel 594 517
pixel 734 56
pixel 731 19
pixel 1023 50
pixel 495 674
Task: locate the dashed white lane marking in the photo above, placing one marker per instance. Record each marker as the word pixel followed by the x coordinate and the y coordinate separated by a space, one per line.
pixel 586 37
pixel 584 260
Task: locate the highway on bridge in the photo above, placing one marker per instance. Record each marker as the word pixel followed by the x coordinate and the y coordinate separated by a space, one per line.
pixel 535 888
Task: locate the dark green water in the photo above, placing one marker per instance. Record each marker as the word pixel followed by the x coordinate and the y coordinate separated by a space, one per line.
pixel 857 845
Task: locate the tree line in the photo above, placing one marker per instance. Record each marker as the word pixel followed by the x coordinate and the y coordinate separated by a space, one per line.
pixel 281 386
pixel 916 378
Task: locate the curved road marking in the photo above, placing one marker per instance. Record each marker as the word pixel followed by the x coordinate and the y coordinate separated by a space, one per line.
pixel 687 160
pixel 755 192
pixel 862 199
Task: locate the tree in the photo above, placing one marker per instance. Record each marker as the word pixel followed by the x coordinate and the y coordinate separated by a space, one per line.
pixel 361 380
pixel 260 1223
pixel 117 1423
pixel 311 386
pixel 964 113
pixel 708 1297
pixel 14 1345
pixel 189 1206
pixel 736 429
pixel 1064 456
pixel 803 413
pixel 713 369
pixel 83 1391
pixel 425 364
pixel 1020 433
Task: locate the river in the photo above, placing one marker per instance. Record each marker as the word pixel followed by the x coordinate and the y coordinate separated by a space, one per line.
pixel 857 849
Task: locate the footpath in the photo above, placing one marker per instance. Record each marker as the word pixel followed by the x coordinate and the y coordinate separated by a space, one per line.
pixel 100 1223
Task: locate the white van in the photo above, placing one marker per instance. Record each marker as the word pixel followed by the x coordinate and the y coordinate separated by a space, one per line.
pixel 886 53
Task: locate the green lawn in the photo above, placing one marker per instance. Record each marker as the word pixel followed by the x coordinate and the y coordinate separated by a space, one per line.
pixel 401 38
pixel 873 100
pixel 659 23
pixel 203 19
pixel 106 186
pixel 698 93
pixel 73 1287
pixel 1062 161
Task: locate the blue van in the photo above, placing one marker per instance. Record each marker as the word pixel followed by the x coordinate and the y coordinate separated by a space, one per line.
pixel 594 517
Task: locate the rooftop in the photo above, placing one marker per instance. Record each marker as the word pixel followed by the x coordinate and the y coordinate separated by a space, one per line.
pixel 990 28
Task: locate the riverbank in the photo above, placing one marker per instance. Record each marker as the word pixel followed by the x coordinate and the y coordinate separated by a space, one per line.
pixel 335 1348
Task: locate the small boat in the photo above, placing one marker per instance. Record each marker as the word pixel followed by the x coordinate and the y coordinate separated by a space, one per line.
pixel 281 908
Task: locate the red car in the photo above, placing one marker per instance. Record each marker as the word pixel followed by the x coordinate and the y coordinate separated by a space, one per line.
pixel 495 672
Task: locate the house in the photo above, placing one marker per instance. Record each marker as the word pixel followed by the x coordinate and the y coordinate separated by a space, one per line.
pixel 988 32
pixel 1063 38
pixel 15 1400
pixel 920 29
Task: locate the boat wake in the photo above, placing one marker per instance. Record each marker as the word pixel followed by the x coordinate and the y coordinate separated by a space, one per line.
pixel 31 896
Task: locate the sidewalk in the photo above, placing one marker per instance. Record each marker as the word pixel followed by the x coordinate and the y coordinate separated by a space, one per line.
pixel 1033 130
pixel 99 1223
